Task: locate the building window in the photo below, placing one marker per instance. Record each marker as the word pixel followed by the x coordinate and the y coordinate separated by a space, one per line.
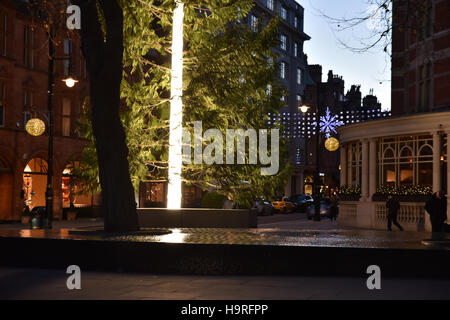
pixel 27 105
pixel 28 47
pixel 283 13
pixel 283 40
pixel 67 53
pixel 283 70
pixel 406 161
pixel 253 23
pixel 299 100
pixel 295 49
pixel 356 164
pixel 3 33
pixel 295 22
pixel 424 88
pixel 66 108
pixel 299 76
pixel 269 4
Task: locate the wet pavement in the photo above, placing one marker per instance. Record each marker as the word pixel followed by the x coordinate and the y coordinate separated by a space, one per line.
pixel 261 236
pixel 272 249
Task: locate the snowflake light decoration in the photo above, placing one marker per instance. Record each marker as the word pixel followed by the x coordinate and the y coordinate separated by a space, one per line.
pixel 329 123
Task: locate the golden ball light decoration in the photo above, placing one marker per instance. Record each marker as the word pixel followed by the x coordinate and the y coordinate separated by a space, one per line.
pixel 35 127
pixel 332 144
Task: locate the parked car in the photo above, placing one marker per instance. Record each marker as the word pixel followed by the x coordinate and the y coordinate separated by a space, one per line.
pixel 301 202
pixel 263 207
pixel 325 209
pixel 283 205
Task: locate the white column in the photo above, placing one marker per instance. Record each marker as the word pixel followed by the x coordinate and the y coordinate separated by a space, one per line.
pixel 344 165
pixel 372 167
pixel 349 165
pixel 436 162
pixel 365 170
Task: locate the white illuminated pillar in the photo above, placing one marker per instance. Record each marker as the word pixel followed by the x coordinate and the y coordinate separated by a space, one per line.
pixel 176 111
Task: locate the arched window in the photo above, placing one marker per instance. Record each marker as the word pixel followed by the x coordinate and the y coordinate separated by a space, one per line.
pixel 425 166
pixel 406 160
pixel 35 182
pixel 389 153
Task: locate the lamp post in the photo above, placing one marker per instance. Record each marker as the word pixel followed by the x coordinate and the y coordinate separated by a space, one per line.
pixel 46 221
pixel 316 184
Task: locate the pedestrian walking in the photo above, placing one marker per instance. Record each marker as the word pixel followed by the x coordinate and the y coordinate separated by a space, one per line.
pixel 437 209
pixel 333 208
pixel 393 205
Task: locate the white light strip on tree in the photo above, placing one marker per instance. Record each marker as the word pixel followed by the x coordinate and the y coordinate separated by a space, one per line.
pixel 176 110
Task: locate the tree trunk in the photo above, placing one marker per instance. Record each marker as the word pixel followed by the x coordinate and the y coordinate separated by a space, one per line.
pixel 103 54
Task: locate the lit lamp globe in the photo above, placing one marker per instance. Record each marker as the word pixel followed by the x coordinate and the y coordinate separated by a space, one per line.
pixel 70 82
pixel 332 144
pixel 35 127
pixel 304 108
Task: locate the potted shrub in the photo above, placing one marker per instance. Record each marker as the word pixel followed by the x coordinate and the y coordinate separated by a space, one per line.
pixel 411 193
pixel 26 214
pixel 213 200
pixel 71 213
pixel 349 193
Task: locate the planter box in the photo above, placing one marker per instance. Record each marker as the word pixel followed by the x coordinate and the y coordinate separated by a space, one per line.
pixel 196 218
pixel 349 197
pixel 409 198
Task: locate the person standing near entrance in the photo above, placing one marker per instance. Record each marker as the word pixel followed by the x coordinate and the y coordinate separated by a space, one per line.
pixel 393 205
pixel 437 209
pixel 333 208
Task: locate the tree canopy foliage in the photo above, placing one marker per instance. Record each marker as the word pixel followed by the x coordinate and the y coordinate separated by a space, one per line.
pixel 228 70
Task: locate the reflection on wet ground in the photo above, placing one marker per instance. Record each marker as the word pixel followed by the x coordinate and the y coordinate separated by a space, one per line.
pixel 266 237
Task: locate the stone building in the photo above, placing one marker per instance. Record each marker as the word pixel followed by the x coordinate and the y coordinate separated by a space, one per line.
pixel 292 65
pixel 23 95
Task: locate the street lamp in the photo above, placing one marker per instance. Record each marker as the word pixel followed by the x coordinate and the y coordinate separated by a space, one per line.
pixel 316 184
pixel 70 82
pixel 304 108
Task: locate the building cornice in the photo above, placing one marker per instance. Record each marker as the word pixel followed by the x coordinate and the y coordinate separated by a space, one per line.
pixel 396 126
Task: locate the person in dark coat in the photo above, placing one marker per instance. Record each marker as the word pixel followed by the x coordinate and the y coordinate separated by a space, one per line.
pixel 333 208
pixel 393 205
pixel 437 209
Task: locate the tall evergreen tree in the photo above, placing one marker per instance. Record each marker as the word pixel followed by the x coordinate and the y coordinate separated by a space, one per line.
pixel 230 83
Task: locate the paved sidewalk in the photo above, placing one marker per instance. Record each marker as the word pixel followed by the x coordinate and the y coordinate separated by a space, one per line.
pixel 298 221
pixel 57 225
pixel 18 283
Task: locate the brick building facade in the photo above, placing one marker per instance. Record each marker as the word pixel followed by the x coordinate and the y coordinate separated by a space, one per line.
pixel 23 93
pixel 420 56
